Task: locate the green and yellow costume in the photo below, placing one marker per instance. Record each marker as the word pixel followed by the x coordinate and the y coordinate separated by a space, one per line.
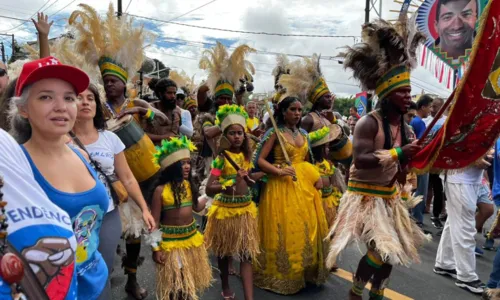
pixel 232 219
pixel 292 224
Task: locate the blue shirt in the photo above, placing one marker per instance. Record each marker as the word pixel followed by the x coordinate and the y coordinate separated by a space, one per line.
pixel 418 126
pixel 39 230
pixel 496 174
pixel 86 210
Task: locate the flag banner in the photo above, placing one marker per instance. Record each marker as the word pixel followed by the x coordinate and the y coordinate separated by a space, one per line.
pixel 473 123
pixel 361 103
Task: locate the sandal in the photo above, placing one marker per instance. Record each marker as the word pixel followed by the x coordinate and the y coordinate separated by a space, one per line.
pixel 228 297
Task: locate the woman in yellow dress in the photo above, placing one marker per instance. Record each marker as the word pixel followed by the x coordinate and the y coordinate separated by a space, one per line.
pixel 292 223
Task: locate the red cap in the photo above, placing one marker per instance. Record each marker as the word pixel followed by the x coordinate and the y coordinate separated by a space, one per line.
pixel 51 67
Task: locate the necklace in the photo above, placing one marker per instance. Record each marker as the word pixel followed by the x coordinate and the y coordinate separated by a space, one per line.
pixel 394 136
pixel 293 133
pixel 112 111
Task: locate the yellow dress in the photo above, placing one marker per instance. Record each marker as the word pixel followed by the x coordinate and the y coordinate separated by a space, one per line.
pixel 292 226
pixel 330 194
pixel 232 219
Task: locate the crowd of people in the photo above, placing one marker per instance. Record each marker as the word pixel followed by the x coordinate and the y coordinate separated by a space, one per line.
pixel 282 191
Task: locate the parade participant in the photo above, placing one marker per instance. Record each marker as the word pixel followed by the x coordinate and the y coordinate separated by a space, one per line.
pixel 373 210
pixel 44 112
pixel 232 219
pixel 166 89
pixel 331 194
pixel 185 85
pixel 292 251
pixel 182 265
pixel 118 58
pixel 224 74
pixel 48 234
pixel 106 148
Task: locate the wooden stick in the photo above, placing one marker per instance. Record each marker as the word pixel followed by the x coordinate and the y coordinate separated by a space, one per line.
pixel 247 178
pixel 280 139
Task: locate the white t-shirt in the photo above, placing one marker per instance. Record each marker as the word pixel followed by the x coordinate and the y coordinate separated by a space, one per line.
pixel 471 175
pixel 37 227
pixel 103 151
pixel 186 123
pixel 428 120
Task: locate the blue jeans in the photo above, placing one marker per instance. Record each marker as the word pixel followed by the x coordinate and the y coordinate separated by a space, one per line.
pixel 494 282
pixel 422 186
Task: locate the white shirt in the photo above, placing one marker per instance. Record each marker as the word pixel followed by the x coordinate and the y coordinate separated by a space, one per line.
pixel 471 175
pixel 103 151
pixel 186 123
pixel 428 121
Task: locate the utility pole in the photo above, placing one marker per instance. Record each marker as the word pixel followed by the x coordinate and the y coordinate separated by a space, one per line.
pixel 2 49
pixel 367 11
pixel 119 12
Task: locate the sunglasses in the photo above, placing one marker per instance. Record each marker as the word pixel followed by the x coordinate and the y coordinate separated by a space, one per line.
pixel 3 72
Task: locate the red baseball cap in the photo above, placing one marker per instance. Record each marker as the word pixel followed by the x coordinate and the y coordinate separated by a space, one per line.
pixel 51 67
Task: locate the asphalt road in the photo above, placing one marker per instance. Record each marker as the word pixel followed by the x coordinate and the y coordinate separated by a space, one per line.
pixel 416 282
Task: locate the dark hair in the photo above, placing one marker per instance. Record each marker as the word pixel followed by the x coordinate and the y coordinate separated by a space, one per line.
pixel 319 152
pixel 173 175
pixel 423 101
pixel 245 147
pixel 444 2
pixel 162 85
pixel 413 105
pixel 99 121
pixel 282 107
pixel 152 83
pixel 385 107
pixel 5 104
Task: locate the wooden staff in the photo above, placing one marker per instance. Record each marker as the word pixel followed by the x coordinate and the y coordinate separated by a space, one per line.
pixel 225 144
pixel 280 138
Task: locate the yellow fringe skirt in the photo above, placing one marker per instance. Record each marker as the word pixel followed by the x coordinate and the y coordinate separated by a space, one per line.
pixel 187 271
pixel 377 216
pixel 232 227
pixel 331 198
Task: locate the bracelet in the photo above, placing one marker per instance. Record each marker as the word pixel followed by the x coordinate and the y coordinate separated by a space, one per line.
pixel 156 248
pixel 397 154
pixel 150 115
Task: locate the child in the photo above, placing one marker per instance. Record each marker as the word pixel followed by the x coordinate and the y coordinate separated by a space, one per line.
pixel 332 185
pixel 232 219
pixel 183 269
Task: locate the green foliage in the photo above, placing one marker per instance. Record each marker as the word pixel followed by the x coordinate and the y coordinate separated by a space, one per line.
pixel 342 105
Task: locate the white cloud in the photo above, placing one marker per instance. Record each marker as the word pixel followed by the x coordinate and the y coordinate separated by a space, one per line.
pixel 335 17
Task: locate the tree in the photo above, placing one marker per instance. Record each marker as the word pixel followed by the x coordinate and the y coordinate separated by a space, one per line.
pixel 342 105
pixel 161 66
pixel 17 53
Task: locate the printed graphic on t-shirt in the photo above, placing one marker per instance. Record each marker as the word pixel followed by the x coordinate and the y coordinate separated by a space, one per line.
pixel 86 226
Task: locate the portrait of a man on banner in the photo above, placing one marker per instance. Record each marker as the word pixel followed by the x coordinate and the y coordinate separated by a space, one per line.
pixel 450 27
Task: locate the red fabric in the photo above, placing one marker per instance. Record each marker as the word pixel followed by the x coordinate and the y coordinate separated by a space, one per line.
pixel 474 122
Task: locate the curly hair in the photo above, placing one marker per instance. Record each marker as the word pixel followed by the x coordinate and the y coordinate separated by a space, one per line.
pixel 173 175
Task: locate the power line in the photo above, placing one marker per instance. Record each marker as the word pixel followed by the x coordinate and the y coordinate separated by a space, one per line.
pixel 23 20
pixel 63 8
pixel 245 32
pixel 128 5
pixel 191 11
pixel 50 5
pixel 29 17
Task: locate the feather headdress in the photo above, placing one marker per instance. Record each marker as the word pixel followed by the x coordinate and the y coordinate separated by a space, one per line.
pixel 183 81
pixel 228 115
pixel 383 61
pixel 305 80
pixel 224 70
pixel 172 151
pixel 115 45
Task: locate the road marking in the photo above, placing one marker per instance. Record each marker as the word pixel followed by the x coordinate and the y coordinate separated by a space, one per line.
pixel 387 293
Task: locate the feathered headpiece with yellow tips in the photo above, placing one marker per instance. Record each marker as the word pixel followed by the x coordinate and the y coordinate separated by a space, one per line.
pixel 224 70
pixel 172 151
pixel 228 115
pixel 113 44
pixel 383 61
pixel 324 135
pixel 305 80
pixel 282 67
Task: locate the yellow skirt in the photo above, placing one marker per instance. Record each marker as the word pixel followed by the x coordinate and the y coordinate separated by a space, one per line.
pixel 232 227
pixel 292 226
pixel 331 198
pixel 187 271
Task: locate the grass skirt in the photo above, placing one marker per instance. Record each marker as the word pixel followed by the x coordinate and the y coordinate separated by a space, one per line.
pixel 187 271
pixel 232 227
pixel 367 215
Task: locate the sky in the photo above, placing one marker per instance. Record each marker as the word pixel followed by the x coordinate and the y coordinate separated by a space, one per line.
pixel 180 47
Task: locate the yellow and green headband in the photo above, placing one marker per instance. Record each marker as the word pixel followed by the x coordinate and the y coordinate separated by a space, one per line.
pixel 223 87
pixel 319 90
pixel 393 79
pixel 108 66
pixel 190 102
pixel 172 151
pixel 228 115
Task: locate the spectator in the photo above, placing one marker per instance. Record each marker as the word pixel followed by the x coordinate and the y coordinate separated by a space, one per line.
pixel 418 125
pixel 412 112
pixel 353 112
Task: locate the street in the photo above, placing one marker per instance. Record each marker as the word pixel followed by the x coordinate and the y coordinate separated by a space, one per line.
pixel 416 282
